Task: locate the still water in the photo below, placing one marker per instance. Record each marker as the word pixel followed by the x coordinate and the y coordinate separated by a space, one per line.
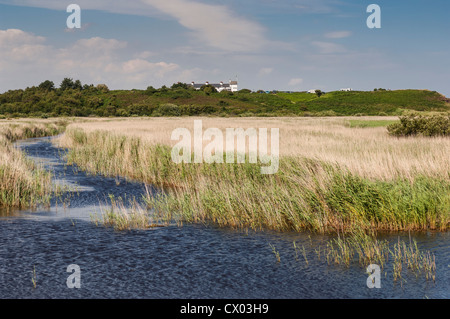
pixel 192 261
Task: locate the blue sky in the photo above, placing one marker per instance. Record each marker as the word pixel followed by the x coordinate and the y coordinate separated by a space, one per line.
pixel 282 45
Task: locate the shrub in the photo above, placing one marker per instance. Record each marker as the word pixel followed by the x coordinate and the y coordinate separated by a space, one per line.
pixel 410 125
pixel 169 109
pixel 103 88
pixel 179 94
pixel 150 90
pixel 223 103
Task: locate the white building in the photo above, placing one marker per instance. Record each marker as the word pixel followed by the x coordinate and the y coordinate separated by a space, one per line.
pixel 312 91
pixel 346 90
pixel 231 86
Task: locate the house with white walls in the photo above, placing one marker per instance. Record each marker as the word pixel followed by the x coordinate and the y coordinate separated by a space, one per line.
pixel 231 86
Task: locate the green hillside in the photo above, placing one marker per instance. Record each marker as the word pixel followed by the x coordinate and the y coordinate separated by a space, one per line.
pixel 371 103
pixel 74 99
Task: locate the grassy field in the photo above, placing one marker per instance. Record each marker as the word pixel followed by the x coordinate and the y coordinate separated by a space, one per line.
pixel 332 177
pixel 22 183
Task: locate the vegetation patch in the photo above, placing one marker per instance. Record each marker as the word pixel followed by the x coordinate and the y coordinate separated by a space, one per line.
pixel 371 123
pixel 413 124
pixel 22 183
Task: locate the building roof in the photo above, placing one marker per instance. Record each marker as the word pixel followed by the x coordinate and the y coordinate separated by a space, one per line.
pixel 216 85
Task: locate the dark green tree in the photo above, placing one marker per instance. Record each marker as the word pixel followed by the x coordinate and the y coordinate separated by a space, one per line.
pixel 208 89
pixel 67 83
pixel 47 85
pixel 179 85
pixel 77 85
pixel 150 90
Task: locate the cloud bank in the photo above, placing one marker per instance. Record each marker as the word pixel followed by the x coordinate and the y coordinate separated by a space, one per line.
pixel 95 59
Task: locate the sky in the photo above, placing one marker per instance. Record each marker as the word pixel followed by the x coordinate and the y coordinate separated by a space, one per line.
pixel 288 45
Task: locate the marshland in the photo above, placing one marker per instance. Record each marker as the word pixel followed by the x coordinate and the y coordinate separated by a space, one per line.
pixel 347 194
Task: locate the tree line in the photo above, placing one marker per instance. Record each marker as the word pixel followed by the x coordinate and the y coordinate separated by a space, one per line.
pixel 73 98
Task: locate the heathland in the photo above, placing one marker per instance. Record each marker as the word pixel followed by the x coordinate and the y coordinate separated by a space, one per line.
pixel 74 99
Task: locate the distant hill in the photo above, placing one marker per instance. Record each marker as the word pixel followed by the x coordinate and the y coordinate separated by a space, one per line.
pixel 73 99
pixel 373 102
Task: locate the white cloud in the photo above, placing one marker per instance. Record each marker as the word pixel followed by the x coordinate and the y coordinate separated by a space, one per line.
pixel 214 25
pixel 26 57
pixel 265 71
pixel 17 46
pixel 15 37
pixel 144 54
pixel 338 34
pixel 329 47
pixel 295 82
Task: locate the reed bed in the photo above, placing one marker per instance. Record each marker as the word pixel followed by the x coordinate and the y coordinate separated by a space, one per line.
pixel 415 260
pixel 367 152
pixel 22 183
pixel 306 193
pixel 369 250
pixel 122 217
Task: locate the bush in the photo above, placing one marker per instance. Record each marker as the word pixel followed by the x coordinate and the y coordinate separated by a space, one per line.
pixel 223 103
pixel 169 109
pixel 150 90
pixel 179 94
pixel 103 88
pixel 411 125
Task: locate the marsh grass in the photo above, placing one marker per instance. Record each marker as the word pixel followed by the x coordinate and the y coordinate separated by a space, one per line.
pixel 122 217
pixel 23 183
pixel 409 256
pixel 34 278
pixel 275 252
pixel 305 194
pixel 367 152
pixel 367 249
